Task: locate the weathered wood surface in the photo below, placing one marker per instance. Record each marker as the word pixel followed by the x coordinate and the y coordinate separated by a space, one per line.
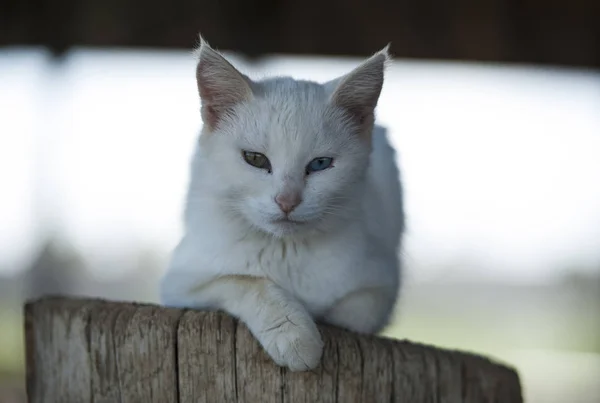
pixel 83 350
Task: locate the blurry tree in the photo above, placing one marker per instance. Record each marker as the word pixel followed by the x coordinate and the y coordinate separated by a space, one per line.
pixel 532 31
pixel 56 269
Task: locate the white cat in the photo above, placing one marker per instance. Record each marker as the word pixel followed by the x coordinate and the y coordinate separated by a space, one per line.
pixel 294 210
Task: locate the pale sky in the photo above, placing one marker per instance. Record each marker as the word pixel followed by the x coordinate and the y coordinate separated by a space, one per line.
pixel 500 165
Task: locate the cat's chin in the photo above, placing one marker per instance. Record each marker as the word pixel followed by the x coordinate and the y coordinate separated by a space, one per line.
pixel 284 227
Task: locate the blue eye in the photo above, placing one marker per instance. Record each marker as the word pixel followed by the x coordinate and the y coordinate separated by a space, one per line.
pixel 319 164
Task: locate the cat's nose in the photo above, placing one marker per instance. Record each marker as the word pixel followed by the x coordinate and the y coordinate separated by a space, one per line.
pixel 287 202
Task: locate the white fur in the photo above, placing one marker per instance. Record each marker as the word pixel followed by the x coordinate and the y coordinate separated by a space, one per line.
pixel 338 263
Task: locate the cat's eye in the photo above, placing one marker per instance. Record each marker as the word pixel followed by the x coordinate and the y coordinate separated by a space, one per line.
pixel 319 164
pixel 257 160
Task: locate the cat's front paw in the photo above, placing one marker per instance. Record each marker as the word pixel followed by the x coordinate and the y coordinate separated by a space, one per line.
pixel 294 342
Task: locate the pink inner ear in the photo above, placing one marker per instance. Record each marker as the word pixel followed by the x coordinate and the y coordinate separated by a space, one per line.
pixel 209 116
pixel 220 89
pixel 206 91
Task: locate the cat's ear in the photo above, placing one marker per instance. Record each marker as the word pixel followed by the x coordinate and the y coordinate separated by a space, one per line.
pixel 358 91
pixel 220 85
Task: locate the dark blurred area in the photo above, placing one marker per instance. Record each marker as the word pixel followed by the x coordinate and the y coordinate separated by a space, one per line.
pixel 515 31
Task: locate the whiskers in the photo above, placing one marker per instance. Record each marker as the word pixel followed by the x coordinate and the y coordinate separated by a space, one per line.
pixel 335 211
pixel 309 217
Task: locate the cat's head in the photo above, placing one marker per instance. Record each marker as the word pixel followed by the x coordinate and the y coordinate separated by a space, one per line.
pixel 283 155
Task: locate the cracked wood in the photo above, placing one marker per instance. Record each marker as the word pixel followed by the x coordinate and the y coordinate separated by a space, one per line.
pixel 86 350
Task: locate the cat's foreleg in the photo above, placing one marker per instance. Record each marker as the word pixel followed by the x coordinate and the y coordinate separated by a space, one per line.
pixel 280 323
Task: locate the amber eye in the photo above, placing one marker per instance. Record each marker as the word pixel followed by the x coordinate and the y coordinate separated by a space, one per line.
pixel 257 160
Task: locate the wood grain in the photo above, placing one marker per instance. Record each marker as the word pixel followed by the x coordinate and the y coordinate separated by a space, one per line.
pixel 84 350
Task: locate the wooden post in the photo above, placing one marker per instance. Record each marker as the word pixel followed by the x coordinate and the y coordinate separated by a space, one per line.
pixel 83 350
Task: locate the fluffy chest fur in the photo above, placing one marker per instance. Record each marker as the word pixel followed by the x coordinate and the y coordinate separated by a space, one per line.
pixel 317 275
pixel 316 271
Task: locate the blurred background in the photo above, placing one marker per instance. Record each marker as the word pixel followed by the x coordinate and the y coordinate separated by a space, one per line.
pixel 493 106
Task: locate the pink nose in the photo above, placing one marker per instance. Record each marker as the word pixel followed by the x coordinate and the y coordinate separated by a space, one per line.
pixel 288 201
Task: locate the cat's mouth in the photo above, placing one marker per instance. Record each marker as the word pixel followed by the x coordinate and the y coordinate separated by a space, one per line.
pixel 288 221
